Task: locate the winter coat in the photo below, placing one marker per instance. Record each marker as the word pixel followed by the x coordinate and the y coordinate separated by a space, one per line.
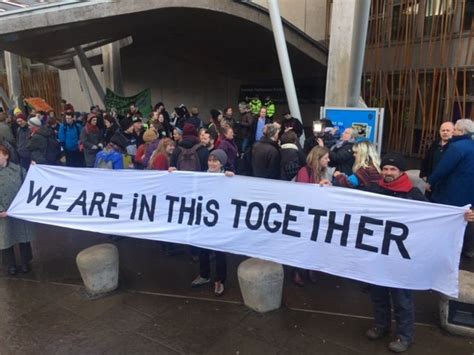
pixel 453 178
pixel 305 174
pixel 266 159
pixel 12 230
pixel 432 158
pixel 160 162
pixel 89 139
pixel 69 136
pixel 109 132
pixel 38 144
pixel 232 152
pixel 110 155
pixel 362 178
pixel 22 137
pixel 342 158
pixel 245 126
pixel 292 160
pixel 254 128
pixel 6 133
pixel 187 143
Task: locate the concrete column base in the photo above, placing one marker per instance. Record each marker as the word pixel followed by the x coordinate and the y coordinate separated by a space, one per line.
pixel 99 268
pixel 261 284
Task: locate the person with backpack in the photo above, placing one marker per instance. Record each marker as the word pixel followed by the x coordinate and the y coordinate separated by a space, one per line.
pixel 189 154
pixel 69 137
pixel 113 156
pixel 91 140
pixel 42 144
pixel 23 134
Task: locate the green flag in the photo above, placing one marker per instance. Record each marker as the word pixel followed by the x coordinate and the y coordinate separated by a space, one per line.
pixel 122 104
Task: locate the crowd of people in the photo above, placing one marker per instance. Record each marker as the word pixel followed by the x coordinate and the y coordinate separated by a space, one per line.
pixel 247 143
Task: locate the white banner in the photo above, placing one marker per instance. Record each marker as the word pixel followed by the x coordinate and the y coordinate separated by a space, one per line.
pixel 373 238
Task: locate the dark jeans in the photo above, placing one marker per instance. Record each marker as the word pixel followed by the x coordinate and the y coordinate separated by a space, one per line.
pixel 74 158
pixel 8 255
pixel 205 265
pixel 468 245
pixel 404 311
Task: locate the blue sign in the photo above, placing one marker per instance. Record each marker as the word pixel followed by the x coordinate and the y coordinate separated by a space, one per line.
pixel 363 121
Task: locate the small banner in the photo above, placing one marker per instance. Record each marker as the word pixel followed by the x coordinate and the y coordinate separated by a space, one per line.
pixel 38 104
pixel 142 100
pixel 363 236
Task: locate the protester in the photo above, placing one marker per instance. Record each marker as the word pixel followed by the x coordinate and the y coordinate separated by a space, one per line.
pixel 433 154
pixel 324 131
pixel 266 153
pixel 114 156
pixel 245 126
pixel 160 159
pixel 292 156
pixel 366 169
pixel 229 147
pixel 54 125
pixel 5 130
pixel 341 155
pixel 22 137
pixel 214 127
pixel 145 151
pixel 291 123
pixel 177 135
pixel 452 180
pixel 160 108
pixel 228 117
pixel 13 231
pixel 42 144
pixel 162 127
pixel 206 139
pixel 217 161
pixel 129 132
pixel 179 116
pixel 91 140
pixel 189 155
pixel 194 119
pixel 69 137
pixel 111 126
pixel 316 171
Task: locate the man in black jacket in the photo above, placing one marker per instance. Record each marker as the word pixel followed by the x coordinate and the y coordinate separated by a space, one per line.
pixel 266 153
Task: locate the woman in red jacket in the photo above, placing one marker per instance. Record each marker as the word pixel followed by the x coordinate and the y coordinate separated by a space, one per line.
pixel 160 160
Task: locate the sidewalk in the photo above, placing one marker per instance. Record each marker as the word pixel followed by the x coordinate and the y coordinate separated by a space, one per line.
pixel 155 311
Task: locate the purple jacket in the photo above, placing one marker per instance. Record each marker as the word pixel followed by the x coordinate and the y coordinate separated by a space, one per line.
pixel 230 148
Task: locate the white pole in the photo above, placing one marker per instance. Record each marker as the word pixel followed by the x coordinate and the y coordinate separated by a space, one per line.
pixel 284 59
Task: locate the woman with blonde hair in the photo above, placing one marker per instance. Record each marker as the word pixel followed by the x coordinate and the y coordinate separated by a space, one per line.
pixel 366 169
pixel 160 159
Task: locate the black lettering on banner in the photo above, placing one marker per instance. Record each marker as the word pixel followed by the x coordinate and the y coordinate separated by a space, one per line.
pixel 397 238
pixel 55 196
pixel 80 201
pixel 248 216
pixel 150 210
pixel 37 194
pixel 199 211
pixel 172 200
pixel 134 206
pixel 362 230
pixel 212 206
pixel 238 207
pixel 291 218
pixel 98 200
pixel 316 221
pixel 112 204
pixel 184 209
pixel 344 228
pixel 276 224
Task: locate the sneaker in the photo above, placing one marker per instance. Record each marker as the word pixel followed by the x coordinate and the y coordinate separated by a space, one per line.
pixel 199 281
pixel 376 333
pixel 399 345
pixel 218 288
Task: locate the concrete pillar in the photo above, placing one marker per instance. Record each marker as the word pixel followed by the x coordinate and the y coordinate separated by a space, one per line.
pixel 346 52
pixel 13 77
pixel 112 67
pixel 91 74
pixel 82 80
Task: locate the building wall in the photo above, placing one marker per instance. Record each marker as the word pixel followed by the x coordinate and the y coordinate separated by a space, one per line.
pixel 308 15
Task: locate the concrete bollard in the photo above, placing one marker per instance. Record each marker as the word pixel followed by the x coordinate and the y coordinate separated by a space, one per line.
pixel 99 268
pixel 261 284
pixel 465 300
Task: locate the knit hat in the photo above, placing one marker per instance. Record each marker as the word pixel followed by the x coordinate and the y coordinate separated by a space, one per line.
pixel 16 111
pixel 90 116
pixel 21 116
pixel 215 113
pixel 189 130
pixel 126 123
pixel 149 135
pixel 119 140
pixel 34 121
pixel 220 155
pixel 395 160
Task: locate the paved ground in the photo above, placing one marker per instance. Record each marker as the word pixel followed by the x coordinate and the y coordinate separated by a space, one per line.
pixel 155 311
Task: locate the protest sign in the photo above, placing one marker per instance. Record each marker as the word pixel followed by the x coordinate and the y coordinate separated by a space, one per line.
pixel 142 100
pixel 373 238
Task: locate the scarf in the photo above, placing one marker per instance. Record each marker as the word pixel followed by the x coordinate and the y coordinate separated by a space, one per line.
pixel 402 184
